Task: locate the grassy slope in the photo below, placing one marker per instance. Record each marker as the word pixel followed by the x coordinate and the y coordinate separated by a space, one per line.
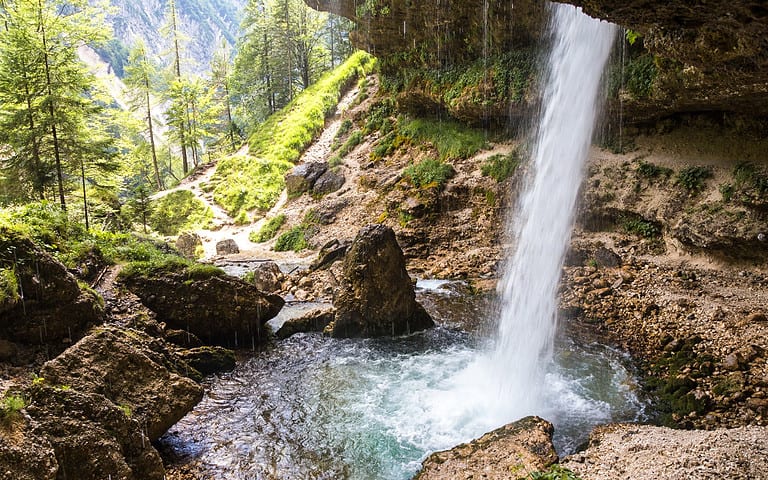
pixel 248 182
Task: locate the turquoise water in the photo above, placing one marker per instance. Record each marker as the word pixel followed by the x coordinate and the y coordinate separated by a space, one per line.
pixel 313 407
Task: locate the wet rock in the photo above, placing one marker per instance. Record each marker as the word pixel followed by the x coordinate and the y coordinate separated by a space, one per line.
pixel 48 307
pixel 377 297
pixel 182 338
pixel 130 369
pixel 328 182
pixel 510 452
pixel 92 437
pixel 303 177
pixel 219 309
pixel 209 360
pixel 733 362
pixel 227 247
pixel 25 455
pixel 313 321
pixel 188 243
pixel 268 277
pixel 330 253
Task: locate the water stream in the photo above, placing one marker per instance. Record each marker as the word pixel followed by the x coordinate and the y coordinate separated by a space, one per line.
pixel 313 407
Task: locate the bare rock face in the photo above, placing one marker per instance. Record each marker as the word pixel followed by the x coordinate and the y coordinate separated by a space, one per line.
pixel 376 297
pixel 48 306
pixel 130 369
pixel 220 310
pixel 508 453
pixel 328 182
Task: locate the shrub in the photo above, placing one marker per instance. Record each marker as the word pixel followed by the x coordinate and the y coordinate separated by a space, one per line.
pixel 746 174
pixel 268 230
pixel 179 210
pixel 554 472
pixel 294 239
pixel 640 226
pixel 10 406
pixel 9 287
pixel 429 172
pixel 641 74
pixel 500 167
pixel 650 170
pixel 693 178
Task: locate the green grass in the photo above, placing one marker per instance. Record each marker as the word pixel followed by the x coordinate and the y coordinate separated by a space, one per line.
pixel 178 211
pixel 748 175
pixel 10 406
pixel 500 167
pixel 167 264
pixel 268 231
pixel 554 472
pixel 452 140
pixel 429 173
pixel 297 238
pixel 254 181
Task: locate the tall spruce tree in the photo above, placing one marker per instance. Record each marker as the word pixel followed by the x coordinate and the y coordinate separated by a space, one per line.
pixel 44 90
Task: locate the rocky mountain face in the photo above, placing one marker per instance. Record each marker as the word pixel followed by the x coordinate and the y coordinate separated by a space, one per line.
pixel 204 23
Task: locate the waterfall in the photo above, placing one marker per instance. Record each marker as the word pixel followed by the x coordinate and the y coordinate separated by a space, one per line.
pixel 541 226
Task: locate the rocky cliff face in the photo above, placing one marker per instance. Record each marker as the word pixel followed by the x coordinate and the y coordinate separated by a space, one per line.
pixel 696 57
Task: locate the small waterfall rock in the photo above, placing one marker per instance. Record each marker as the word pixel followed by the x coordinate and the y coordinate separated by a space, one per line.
pixel 209 360
pixel 377 297
pixel 508 453
pixel 187 244
pixel 227 247
pixel 303 177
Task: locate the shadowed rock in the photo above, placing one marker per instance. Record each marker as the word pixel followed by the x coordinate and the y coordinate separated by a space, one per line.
pixel 376 297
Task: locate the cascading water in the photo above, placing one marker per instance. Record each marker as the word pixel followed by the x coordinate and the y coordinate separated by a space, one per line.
pixel 581 46
pixel 314 407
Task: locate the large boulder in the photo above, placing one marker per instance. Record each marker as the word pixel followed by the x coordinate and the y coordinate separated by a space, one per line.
pixel 268 277
pixel 376 297
pixel 219 309
pixel 328 182
pixel 227 247
pixel 90 436
pixel 511 452
pixel 303 177
pixel 133 370
pixel 43 302
pixel 315 320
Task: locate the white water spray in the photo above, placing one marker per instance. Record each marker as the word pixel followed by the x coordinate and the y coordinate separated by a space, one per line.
pixel 580 48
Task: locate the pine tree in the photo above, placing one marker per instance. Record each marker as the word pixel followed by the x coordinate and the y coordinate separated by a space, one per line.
pixel 140 73
pixel 180 125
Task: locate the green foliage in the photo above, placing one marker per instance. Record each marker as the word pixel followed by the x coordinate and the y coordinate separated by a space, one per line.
pixel 637 225
pixel 45 223
pixel 268 230
pixel 500 167
pixel 429 173
pixel 179 210
pixel 10 406
pixel 693 178
pixel 9 287
pixel 169 264
pixel 727 191
pixel 452 140
pixel 256 180
pixel 748 175
pixel 344 129
pixel 386 146
pixel 126 409
pixel 632 36
pixel 294 239
pixel 641 73
pixel 554 472
pixel 354 140
pixel 379 115
pixel 650 171
pixel 297 238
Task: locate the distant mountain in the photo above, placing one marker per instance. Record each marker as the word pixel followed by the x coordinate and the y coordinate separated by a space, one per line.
pixel 205 23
